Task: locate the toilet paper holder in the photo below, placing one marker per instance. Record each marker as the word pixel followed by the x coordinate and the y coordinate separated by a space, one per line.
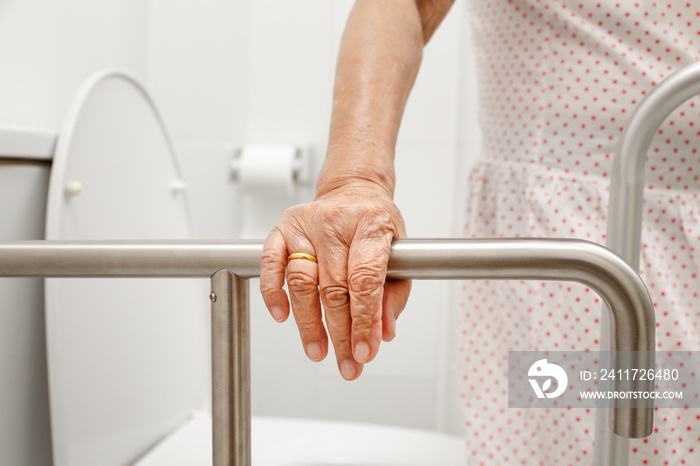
pixel 300 154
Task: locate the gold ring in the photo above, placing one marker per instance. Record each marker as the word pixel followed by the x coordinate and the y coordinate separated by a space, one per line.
pixel 302 255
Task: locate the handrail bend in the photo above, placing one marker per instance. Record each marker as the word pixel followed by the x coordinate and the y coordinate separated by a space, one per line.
pixel 624 230
pixel 627 176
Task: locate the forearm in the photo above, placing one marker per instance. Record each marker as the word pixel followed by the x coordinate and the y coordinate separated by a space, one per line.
pixel 377 65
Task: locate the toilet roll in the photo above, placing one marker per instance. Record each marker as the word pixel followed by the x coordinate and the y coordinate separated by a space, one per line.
pixel 267 171
pixel 267 179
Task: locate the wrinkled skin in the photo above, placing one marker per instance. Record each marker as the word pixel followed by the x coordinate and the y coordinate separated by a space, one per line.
pixel 350 234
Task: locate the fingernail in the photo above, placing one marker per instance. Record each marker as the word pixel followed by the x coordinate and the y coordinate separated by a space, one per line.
pixel 361 351
pixel 393 327
pixel 277 314
pixel 313 351
pixel 347 369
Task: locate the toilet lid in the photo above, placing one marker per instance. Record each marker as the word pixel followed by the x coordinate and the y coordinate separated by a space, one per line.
pixel 128 358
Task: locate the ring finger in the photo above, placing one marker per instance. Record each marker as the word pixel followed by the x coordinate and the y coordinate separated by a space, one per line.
pixel 302 282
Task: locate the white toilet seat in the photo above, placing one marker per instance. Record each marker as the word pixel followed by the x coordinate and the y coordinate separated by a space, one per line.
pixel 307 442
pixel 128 359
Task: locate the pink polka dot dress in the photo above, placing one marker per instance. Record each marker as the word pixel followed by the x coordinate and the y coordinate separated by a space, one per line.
pixel 558 81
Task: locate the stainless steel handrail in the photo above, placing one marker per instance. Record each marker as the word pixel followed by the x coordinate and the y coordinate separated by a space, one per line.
pixel 229 264
pixel 624 229
pixel 627 177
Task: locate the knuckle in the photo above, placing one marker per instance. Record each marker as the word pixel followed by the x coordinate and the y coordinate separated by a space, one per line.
pixel 300 281
pixel 271 258
pixel 366 281
pixel 267 289
pixel 335 296
pixel 363 323
pixel 306 326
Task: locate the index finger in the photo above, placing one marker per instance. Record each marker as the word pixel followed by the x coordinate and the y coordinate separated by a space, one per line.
pixel 272 274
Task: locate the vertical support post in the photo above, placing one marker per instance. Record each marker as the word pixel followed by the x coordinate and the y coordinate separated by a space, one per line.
pixel 230 342
pixel 610 448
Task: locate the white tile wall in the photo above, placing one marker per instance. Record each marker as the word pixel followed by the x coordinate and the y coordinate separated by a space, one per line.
pixel 25 62
pixel 199 67
pixel 48 48
pixel 290 70
pixel 89 35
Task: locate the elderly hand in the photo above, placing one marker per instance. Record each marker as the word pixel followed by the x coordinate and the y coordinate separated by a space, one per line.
pixel 350 225
pixel 349 231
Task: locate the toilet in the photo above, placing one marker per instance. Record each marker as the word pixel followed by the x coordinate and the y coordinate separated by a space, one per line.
pixel 128 360
pixel 25 432
pixel 125 363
